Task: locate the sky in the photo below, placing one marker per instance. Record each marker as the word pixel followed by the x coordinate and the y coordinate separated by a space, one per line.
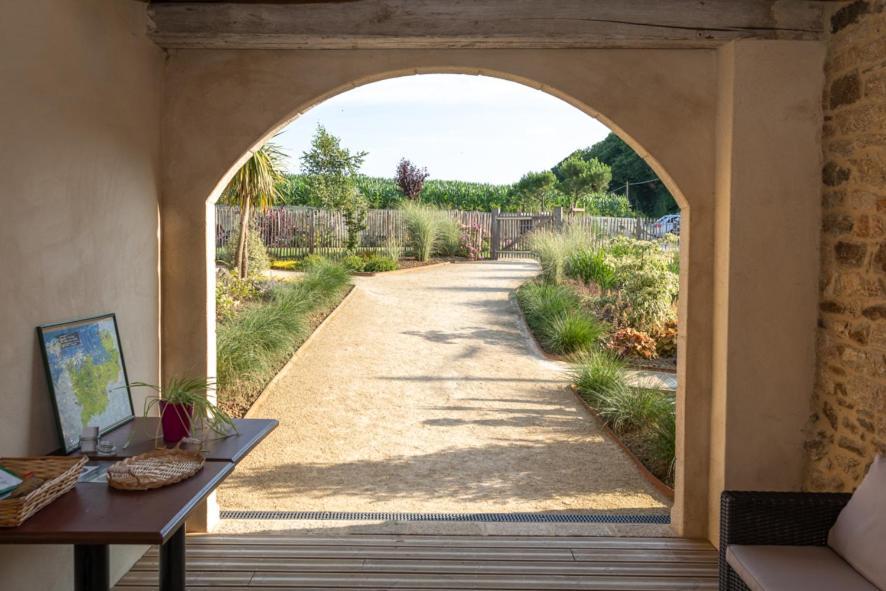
pixel 461 127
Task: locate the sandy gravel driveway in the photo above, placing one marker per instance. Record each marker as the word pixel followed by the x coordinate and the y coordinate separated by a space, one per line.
pixel 423 394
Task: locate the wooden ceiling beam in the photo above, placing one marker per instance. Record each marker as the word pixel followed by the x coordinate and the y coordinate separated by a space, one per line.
pixel 417 24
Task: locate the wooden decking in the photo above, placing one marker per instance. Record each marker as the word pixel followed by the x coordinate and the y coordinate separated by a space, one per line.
pixel 371 562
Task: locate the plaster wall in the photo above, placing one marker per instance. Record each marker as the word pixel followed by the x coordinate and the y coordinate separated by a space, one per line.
pixel 79 159
pixel 733 133
pixel 766 270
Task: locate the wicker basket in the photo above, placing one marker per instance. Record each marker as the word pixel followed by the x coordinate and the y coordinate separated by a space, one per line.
pixel 60 474
pixel 154 469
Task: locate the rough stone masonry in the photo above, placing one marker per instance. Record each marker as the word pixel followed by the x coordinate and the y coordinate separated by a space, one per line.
pixel 848 423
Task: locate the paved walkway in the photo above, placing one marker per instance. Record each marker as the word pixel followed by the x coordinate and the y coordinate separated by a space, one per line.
pixel 658 380
pixel 422 394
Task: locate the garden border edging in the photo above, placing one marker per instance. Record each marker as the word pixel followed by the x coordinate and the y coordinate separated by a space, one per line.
pixel 396 271
pixel 559 361
pixel 265 391
pixel 644 471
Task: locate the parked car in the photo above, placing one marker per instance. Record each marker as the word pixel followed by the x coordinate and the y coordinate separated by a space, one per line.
pixel 666 224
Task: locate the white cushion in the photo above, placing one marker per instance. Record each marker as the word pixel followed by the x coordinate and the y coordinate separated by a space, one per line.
pixel 859 535
pixel 794 568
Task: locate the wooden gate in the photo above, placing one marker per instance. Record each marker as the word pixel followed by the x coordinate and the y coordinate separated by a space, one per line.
pixel 511 231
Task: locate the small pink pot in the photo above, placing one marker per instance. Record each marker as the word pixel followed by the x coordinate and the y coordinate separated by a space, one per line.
pixel 176 421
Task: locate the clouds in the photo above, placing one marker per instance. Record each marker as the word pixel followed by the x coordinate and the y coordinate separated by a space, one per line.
pixel 460 127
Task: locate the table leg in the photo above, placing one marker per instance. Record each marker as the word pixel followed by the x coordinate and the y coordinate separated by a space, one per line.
pixel 172 562
pixel 91 567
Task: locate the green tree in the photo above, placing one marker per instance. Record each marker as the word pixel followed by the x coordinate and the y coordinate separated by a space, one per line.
pixel 255 185
pixel 581 177
pixel 331 175
pixel 535 190
pixel 650 198
pixel 608 205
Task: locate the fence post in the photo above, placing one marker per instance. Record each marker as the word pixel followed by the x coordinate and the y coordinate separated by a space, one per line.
pixel 311 231
pixel 496 234
pixel 558 217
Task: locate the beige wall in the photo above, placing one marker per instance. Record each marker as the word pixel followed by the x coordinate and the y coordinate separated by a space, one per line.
pixel 734 132
pixel 766 271
pixel 79 158
pixel 848 423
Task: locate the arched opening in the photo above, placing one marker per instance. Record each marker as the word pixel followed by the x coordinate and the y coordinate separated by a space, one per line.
pixel 653 164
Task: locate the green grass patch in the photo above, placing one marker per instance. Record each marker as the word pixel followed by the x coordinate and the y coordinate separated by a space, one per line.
pixel 257 341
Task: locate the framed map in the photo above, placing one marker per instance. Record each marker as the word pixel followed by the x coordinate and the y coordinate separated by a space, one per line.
pixel 86 375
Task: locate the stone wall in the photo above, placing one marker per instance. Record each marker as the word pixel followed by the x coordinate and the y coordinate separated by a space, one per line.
pixel 848 424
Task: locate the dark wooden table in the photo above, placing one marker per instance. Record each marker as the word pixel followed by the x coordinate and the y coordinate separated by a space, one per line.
pixel 140 435
pixel 92 516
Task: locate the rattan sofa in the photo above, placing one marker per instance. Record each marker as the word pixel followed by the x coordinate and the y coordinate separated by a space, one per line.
pixel 773 519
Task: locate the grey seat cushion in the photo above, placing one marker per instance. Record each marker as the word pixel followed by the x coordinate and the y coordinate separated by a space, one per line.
pixel 794 568
pixel 859 535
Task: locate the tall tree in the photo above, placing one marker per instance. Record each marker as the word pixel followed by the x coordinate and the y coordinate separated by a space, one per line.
pixel 581 177
pixel 331 174
pixel 536 190
pixel 411 179
pixel 255 185
pixel 646 193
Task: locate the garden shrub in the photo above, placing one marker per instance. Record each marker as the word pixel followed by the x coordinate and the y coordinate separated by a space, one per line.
pixel 635 409
pixel 570 332
pixel 285 265
pixel 378 264
pixel 598 375
pixel 646 286
pixel 471 241
pixel 666 339
pixel 257 260
pixel 664 440
pixel 552 248
pixel 311 261
pixel 448 242
pixel 590 265
pixel 393 248
pixel 231 293
pixel 353 263
pixel 645 417
pixel 541 302
pixel 628 342
pixel 422 229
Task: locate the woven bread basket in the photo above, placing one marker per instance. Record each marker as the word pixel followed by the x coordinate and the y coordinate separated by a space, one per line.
pixel 60 475
pixel 154 469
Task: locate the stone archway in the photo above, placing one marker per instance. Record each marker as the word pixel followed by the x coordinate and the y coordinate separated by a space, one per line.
pixel 665 103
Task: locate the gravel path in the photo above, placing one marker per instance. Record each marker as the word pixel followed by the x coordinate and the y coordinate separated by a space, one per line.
pixel 423 394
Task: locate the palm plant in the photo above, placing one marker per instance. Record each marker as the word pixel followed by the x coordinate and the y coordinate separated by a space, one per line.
pixel 255 185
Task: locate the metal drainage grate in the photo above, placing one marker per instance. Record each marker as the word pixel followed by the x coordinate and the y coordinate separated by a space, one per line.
pixel 481 517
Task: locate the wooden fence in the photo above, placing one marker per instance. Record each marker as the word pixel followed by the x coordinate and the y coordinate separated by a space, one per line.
pixel 294 232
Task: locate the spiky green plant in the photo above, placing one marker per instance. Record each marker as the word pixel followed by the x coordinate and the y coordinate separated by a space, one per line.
pixel 193 392
pixel 424 227
pixel 598 376
pixel 542 302
pixel 571 332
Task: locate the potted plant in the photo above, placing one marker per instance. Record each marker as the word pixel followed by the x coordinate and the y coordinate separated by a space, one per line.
pixel 182 403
